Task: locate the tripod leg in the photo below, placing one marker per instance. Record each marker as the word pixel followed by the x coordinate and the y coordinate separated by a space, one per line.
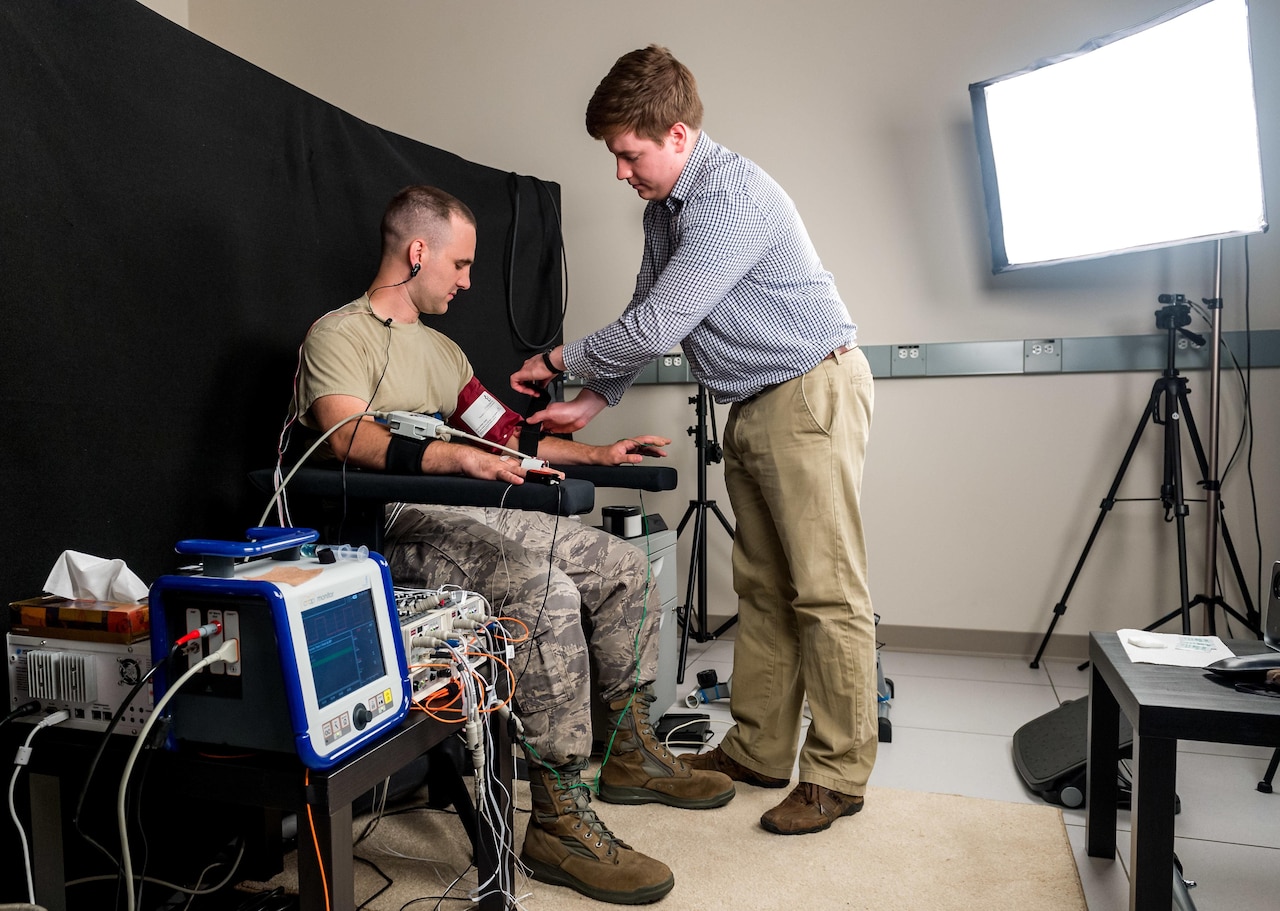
pixel 1252 618
pixel 694 571
pixel 1265 785
pixel 723 521
pixel 1173 483
pixel 684 520
pixel 1108 502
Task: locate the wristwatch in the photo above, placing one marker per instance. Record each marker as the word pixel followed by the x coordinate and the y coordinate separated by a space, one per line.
pixel 546 359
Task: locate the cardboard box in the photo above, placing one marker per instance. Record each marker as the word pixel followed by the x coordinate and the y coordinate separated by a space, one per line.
pixel 53 617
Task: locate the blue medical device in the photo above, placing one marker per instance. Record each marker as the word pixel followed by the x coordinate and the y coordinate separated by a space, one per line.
pixel 321 669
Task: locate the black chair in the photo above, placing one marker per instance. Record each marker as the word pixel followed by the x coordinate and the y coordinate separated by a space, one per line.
pixel 348 506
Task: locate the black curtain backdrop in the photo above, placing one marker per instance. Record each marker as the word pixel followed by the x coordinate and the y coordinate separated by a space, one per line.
pixel 172 219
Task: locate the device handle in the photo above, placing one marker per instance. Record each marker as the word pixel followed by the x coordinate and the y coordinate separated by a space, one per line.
pixel 217 556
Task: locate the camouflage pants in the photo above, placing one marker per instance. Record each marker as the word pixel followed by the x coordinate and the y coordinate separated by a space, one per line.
pixel 585 595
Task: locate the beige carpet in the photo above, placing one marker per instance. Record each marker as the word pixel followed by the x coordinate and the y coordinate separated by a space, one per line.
pixel 906 851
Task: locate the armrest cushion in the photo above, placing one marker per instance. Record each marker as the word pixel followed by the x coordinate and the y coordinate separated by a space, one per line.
pixel 632 477
pixel 570 497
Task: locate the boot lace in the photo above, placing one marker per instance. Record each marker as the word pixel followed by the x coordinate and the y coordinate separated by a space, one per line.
pixel 569 789
pixel 644 726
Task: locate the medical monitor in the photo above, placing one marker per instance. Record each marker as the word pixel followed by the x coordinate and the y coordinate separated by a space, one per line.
pixel 322 669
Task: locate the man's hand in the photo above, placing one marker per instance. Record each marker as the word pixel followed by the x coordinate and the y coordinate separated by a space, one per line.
pixel 627 451
pixel 476 463
pixel 533 376
pixel 631 450
pixel 568 417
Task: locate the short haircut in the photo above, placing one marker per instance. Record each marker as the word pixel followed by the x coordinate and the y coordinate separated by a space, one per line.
pixel 421 211
pixel 647 92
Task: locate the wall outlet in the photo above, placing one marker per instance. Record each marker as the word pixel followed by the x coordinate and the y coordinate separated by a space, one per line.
pixel 1042 355
pixel 907 360
pixel 672 368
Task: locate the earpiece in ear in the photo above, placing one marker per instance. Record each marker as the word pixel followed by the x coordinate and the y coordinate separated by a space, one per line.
pixel 414 271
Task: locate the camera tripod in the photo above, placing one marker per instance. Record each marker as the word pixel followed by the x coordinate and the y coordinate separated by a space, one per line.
pixel 709 451
pixel 1168 407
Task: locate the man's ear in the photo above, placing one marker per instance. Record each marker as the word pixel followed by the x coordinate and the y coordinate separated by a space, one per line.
pixel 679 136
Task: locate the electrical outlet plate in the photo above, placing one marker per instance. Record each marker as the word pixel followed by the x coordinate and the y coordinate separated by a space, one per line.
pixel 672 369
pixel 1042 355
pixel 907 360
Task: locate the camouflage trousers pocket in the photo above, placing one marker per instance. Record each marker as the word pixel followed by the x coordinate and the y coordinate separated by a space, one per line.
pixel 549 673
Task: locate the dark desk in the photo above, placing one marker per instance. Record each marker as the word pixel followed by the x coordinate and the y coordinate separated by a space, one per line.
pixel 1164 705
pixel 280 782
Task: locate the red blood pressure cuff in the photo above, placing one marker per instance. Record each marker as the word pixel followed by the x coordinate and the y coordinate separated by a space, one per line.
pixel 480 413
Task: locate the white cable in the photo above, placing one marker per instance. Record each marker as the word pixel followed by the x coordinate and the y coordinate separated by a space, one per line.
pixel 279 492
pixel 185 890
pixel 229 652
pixel 442 431
pixel 23 757
pixel 488 789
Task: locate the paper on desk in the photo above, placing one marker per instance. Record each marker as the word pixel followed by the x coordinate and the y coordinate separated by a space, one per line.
pixel 1174 650
pixel 82 577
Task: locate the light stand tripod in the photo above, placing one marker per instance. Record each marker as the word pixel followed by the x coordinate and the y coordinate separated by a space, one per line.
pixel 1212 484
pixel 1170 393
pixel 708 451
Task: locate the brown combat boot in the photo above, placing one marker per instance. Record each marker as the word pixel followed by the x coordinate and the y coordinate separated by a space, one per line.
pixel 566 844
pixel 640 769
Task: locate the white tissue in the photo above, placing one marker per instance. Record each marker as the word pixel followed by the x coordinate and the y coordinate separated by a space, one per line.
pixel 82 577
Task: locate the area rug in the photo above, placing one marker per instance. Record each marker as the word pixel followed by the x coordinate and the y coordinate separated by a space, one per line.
pixel 906 851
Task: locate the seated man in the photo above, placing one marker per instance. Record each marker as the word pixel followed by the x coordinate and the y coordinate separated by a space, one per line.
pixel 575 587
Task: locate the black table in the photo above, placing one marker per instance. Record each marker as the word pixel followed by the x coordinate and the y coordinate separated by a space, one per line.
pixel 279 782
pixel 1164 705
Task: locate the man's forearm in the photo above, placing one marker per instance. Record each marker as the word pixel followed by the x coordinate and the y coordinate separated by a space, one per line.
pixel 559 451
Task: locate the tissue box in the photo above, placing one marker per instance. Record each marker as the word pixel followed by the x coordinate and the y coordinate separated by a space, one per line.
pixel 54 617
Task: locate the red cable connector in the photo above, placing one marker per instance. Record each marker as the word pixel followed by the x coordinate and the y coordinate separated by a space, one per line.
pixel 203 632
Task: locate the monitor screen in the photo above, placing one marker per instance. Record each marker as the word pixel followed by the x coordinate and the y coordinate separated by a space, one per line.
pixel 343 646
pixel 1144 138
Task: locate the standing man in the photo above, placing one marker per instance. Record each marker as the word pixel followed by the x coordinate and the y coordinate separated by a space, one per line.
pixel 729 274
pixel 583 594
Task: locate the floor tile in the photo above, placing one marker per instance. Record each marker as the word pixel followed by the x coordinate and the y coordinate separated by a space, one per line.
pixel 1220 801
pixel 961 667
pixel 1105 882
pixel 950 762
pixel 1262 754
pixel 975 707
pixel 1228 877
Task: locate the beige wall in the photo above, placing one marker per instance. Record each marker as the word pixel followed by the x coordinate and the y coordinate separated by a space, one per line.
pixel 979 491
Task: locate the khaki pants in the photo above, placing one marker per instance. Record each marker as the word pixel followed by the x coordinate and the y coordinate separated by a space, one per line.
pixel 793 468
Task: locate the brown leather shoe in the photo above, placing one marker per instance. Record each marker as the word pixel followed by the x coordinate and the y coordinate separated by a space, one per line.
pixel 809 808
pixel 719 761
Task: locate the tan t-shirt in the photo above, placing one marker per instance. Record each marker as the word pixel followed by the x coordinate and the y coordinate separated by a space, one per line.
pixel 401 367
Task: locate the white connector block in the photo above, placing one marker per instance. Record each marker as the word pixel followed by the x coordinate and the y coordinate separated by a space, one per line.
pixel 417 426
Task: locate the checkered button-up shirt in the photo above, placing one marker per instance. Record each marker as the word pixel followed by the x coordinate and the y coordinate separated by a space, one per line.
pixel 728 274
